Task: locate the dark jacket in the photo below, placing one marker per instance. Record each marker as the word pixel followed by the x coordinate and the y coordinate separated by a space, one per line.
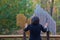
pixel 35 31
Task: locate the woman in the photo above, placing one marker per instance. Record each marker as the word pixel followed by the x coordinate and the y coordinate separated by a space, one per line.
pixel 35 29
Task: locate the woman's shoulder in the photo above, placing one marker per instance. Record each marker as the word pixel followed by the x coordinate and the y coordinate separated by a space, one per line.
pixel 29 25
pixel 39 24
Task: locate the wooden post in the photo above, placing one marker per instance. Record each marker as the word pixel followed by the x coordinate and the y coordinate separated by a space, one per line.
pixel 24 35
pixel 48 38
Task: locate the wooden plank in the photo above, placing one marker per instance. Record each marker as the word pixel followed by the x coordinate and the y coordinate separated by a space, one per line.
pixel 21 36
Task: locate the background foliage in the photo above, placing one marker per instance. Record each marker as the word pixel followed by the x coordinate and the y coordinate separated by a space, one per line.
pixel 8 11
pixel 10 8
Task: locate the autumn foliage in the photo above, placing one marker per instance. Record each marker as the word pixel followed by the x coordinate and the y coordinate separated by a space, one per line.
pixel 21 20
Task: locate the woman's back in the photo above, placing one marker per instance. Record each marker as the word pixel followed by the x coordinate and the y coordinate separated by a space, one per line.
pixel 35 31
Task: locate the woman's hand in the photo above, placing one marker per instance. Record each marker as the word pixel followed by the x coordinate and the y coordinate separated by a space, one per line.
pixel 26 25
pixel 46 25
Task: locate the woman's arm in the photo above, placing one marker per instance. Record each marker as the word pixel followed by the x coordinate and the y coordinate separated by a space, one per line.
pixel 26 27
pixel 44 29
